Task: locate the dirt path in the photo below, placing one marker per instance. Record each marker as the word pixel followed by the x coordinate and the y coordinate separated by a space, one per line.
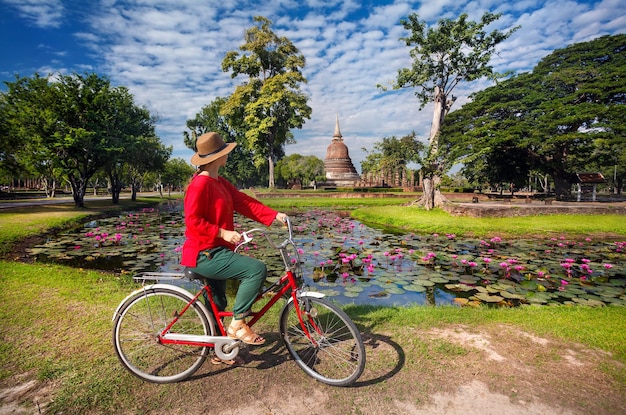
pixel 453 370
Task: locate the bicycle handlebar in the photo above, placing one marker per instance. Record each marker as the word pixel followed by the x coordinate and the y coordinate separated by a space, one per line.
pixel 247 237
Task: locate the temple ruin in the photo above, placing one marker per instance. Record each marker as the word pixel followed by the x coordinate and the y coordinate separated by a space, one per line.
pixel 340 171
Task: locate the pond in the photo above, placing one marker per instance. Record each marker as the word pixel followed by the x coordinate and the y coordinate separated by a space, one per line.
pixel 354 263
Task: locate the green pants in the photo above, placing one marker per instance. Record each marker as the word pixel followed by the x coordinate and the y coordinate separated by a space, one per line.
pixel 220 264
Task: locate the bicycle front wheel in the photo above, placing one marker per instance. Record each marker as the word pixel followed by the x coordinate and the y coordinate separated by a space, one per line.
pixel 334 354
pixel 138 324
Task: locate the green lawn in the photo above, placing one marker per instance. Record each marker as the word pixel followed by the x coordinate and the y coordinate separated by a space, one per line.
pixel 56 321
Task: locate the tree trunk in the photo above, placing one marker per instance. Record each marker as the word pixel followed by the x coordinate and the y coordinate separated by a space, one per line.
pixel 432 197
pixel 133 194
pixel 78 191
pixel 270 160
pixel 562 186
pixel 49 188
pixel 116 189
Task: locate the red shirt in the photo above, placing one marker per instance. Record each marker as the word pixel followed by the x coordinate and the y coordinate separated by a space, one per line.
pixel 209 206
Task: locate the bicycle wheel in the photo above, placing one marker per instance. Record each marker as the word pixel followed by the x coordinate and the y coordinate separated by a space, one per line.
pixel 138 324
pixel 336 356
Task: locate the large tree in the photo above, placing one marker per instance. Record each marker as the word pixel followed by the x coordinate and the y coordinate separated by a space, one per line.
pixel 392 153
pixel 240 168
pixel 74 124
pixel 9 145
pixel 269 103
pixel 134 149
pixel 443 56
pixel 28 116
pixel 176 174
pixel 566 116
pixel 304 169
pixel 145 154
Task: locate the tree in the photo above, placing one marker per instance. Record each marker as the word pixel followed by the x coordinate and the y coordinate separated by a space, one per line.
pixel 28 115
pixel 146 154
pixel 443 56
pixel 74 124
pixel 392 153
pixel 176 174
pixel 566 116
pixel 134 149
pixel 269 103
pixel 9 145
pixel 304 169
pixel 240 168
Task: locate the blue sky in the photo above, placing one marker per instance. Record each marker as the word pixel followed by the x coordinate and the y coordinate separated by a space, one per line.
pixel 169 53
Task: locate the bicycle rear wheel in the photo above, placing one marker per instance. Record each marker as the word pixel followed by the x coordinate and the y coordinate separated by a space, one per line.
pixel 336 356
pixel 136 329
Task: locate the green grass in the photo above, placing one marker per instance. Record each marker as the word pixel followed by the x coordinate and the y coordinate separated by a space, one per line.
pixel 289 204
pixel 57 324
pixel 56 321
pixel 438 221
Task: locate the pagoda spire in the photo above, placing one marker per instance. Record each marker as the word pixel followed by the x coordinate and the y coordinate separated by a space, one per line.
pixel 337 133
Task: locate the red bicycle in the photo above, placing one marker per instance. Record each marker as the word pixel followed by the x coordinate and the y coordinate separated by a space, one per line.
pixel 162 333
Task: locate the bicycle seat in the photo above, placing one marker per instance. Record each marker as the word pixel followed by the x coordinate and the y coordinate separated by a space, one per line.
pixel 193 275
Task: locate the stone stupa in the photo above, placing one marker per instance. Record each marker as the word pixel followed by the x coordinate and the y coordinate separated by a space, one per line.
pixel 340 171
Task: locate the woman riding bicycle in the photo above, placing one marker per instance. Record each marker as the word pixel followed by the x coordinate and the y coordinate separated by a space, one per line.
pixel 210 202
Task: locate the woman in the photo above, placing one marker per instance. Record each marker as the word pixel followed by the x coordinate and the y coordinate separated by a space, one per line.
pixel 208 250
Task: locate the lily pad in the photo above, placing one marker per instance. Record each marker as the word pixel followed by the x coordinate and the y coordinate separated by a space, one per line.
pixel 488 298
pixel 415 288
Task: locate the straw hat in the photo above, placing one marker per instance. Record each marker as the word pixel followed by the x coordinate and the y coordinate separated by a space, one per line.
pixel 210 147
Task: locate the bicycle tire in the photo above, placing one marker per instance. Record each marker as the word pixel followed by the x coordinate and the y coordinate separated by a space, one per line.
pixel 338 357
pixel 136 327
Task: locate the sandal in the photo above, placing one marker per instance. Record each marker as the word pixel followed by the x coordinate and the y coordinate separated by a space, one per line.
pixel 244 333
pixel 236 361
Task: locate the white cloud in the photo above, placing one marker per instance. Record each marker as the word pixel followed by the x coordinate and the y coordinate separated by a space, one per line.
pixel 41 13
pixel 169 54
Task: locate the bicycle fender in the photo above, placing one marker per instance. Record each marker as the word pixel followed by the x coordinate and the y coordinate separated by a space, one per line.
pixel 314 294
pixel 180 290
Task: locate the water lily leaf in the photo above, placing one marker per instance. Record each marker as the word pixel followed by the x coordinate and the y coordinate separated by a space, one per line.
pixel 588 302
pixel 395 290
pixel 415 288
pixel 330 293
pixel 511 296
pixel 529 285
pixel 537 298
pixel 468 279
pixel 460 287
pixel 488 298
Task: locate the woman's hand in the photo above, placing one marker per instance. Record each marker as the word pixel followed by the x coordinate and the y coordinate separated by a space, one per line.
pixel 232 237
pixel 281 217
